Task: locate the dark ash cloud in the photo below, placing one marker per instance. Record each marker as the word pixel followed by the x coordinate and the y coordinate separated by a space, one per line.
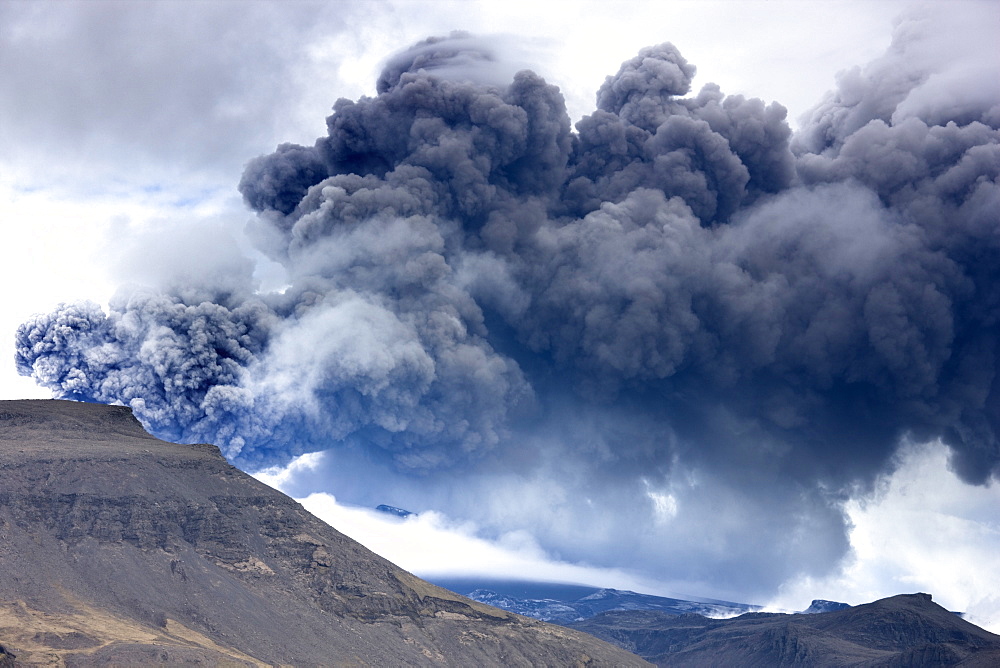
pixel 679 309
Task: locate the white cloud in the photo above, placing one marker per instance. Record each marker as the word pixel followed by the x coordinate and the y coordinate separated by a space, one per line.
pixel 48 256
pixel 921 529
pixel 432 545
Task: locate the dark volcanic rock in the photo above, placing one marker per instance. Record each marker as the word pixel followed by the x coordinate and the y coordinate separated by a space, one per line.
pixel 393 510
pixel 120 549
pixel 906 630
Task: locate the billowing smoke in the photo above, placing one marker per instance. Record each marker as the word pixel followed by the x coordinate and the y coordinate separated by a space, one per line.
pixel 679 305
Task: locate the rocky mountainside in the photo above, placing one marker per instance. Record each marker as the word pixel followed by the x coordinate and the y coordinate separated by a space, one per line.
pixel 117 548
pixel 905 630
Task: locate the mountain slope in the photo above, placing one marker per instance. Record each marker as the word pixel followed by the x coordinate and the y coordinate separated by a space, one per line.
pixel 905 630
pixel 118 548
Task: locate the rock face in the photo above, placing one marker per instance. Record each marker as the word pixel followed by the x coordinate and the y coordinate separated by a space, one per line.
pixel 118 548
pixel 905 630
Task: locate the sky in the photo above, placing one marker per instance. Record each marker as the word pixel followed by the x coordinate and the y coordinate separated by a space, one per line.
pixel 703 305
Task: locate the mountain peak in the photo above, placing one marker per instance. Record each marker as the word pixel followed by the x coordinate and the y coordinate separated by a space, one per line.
pixel 822 605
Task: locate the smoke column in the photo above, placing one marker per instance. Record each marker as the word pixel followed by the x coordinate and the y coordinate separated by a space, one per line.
pixel 679 306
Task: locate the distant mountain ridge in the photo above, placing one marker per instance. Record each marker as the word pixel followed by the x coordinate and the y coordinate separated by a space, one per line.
pixel 563 611
pixel 562 603
pixel 905 630
pixel 117 548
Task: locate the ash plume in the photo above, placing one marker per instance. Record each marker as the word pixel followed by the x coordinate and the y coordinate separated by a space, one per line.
pixel 679 290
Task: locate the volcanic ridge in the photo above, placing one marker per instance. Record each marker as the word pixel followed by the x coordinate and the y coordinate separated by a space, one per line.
pixel 117 548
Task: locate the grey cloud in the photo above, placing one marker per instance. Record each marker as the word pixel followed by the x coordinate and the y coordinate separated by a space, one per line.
pixel 180 366
pixel 644 84
pixel 157 86
pixel 715 152
pixel 482 60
